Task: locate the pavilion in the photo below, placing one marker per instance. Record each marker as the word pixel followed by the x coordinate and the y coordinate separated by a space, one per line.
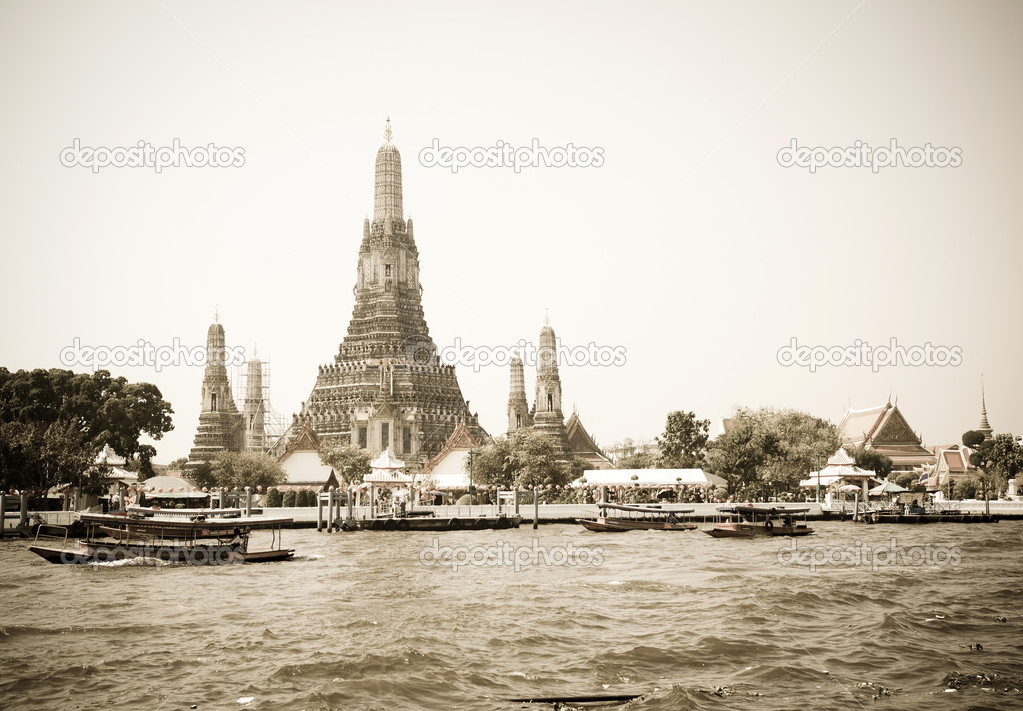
pixel 841 470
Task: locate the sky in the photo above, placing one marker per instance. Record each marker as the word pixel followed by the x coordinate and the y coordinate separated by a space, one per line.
pixel 694 248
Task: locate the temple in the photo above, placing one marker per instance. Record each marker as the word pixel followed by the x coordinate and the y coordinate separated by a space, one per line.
pixel 221 425
pixel 984 428
pixel 546 415
pixel 884 429
pixel 385 388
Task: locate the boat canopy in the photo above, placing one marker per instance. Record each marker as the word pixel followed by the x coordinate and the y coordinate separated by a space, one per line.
pixel 763 509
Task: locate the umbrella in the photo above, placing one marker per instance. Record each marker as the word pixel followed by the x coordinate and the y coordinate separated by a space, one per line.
pixel 888 487
pixel 849 487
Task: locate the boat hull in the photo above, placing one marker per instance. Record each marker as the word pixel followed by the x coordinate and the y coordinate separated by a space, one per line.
pixel 724 530
pixel 91 553
pixel 617 525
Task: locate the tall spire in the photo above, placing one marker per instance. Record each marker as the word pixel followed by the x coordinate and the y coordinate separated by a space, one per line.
pixel 518 406
pixel 984 426
pixel 387 204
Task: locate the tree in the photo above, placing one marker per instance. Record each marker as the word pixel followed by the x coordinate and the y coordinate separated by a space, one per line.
pixel 738 454
pixel 770 446
pixel 178 464
pixel 973 439
pixel 350 463
pixel 872 460
pixel 639 460
pixel 1000 458
pixel 54 423
pixel 684 441
pixel 252 469
pixel 966 488
pixel 524 458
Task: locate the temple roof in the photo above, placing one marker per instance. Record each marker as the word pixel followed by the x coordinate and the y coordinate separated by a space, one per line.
pixel 305 441
pixel 579 440
pixel 876 425
pixel 387 461
pixel 461 439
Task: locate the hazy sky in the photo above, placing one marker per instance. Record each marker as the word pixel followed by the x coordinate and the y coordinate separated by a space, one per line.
pixel 690 247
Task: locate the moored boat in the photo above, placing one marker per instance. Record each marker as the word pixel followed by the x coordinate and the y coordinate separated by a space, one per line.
pixel 193 540
pixel 637 518
pixel 748 520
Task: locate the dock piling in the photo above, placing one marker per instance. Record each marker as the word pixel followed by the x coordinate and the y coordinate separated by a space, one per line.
pixel 516 499
pixel 536 508
pixel 24 510
pixel 3 513
pixel 319 511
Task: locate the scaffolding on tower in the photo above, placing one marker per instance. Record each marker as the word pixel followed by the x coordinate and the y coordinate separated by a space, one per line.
pixel 264 426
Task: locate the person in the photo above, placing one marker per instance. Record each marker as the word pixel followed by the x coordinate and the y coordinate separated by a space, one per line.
pixel 238 542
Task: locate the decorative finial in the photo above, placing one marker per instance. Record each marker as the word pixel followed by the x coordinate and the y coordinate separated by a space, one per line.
pixel 547 316
pixel 387 131
pixel 216 313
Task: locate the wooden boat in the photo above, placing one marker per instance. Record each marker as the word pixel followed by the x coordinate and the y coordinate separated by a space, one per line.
pixel 748 520
pixel 637 518
pixel 194 540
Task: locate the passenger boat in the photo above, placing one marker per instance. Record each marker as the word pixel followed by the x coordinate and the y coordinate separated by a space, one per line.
pixel 748 520
pixel 201 539
pixel 637 518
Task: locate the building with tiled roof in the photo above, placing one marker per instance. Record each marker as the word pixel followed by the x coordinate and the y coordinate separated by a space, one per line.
pixel 582 444
pixel 884 429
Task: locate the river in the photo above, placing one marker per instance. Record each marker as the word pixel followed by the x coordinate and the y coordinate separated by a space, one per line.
pixel 387 620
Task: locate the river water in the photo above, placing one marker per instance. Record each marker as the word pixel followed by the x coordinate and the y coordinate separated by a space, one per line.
pixel 388 620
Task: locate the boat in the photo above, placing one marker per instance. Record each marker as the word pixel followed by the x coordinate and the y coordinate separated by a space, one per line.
pixel 198 539
pixel 637 518
pixel 748 520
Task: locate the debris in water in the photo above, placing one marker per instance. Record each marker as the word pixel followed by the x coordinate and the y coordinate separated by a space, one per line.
pixel 246 699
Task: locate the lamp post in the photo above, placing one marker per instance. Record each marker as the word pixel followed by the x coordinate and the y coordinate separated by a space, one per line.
pixel 472 487
pixel 818 478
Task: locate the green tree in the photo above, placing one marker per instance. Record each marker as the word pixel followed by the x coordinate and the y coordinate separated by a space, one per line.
pixel 684 440
pixel 289 498
pixel 350 463
pixel 274 498
pixel 233 469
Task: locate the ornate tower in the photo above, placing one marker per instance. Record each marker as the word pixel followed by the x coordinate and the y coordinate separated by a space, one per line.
pixel 220 423
pixel 518 406
pixel 547 415
pixel 984 426
pixel 254 407
pixel 386 387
